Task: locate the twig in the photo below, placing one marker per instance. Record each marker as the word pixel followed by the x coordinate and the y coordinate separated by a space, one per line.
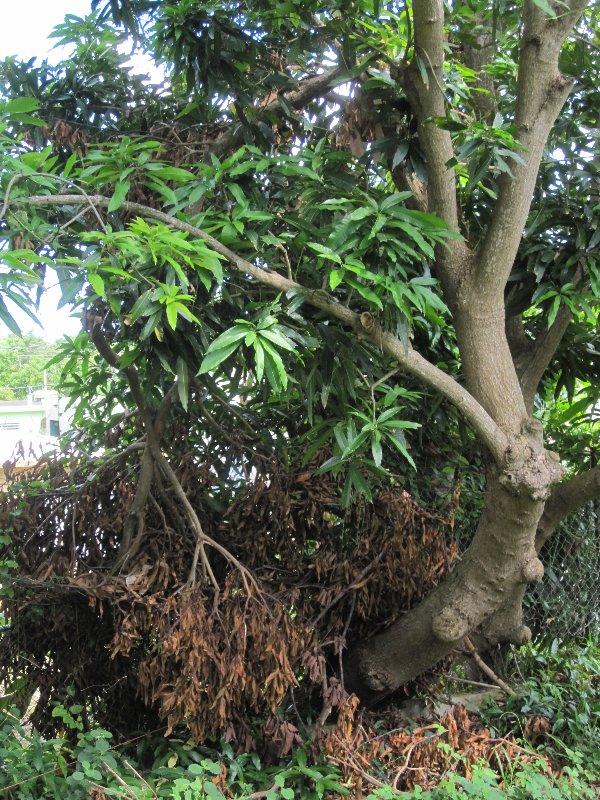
pixel 327 707
pixel 142 780
pixel 488 670
pixel 5 205
pixel 120 780
pixel 354 766
pixel 405 766
pixel 73 535
pixel 456 679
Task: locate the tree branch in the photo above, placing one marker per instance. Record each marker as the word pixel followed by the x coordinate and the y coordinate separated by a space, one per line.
pixel 364 325
pixel 566 498
pixel 541 93
pixel 536 361
pixel 478 53
pixel 428 100
pixel 423 81
pixel 307 91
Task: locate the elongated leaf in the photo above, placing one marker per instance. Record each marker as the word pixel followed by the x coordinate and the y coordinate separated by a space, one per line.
pixel 215 357
pixel 19 105
pixel 7 318
pixel 183 382
pixel 234 334
pixel 274 367
pixel 259 360
pixel 376 449
pixel 97 283
pixel 172 314
pixel 277 339
pixel 120 193
pixel 355 443
pixel 545 6
pixel 324 252
pixel 402 448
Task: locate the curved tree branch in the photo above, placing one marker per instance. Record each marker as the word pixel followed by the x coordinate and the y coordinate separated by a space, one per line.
pixel 541 352
pixel 307 90
pixel 423 82
pixel 566 498
pixel 364 325
pixel 541 93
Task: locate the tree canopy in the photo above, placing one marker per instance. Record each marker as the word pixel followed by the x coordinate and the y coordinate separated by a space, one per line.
pixel 344 251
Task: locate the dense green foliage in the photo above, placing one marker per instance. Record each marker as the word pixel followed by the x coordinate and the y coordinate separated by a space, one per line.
pixel 309 192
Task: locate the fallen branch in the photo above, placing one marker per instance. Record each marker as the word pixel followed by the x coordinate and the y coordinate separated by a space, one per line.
pixel 488 670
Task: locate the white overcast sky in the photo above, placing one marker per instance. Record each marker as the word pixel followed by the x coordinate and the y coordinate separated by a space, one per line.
pixel 25 26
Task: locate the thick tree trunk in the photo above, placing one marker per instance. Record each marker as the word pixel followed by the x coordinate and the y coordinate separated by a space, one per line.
pixel 493 572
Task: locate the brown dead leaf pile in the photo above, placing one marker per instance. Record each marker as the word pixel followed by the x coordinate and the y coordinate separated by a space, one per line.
pixel 406 757
pixel 136 639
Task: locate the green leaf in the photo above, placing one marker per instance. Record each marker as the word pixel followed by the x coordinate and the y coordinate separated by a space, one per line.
pixel 422 70
pixel 216 356
pixel 336 276
pixel 183 381
pixel 353 446
pixel 19 105
pixel 324 252
pixel 396 441
pixel 364 291
pixel 235 334
pixel 259 360
pixel 7 319
pixel 274 368
pixel 276 338
pixel 97 283
pixel 554 310
pixel 212 792
pixel 120 193
pixel 376 448
pixel 546 7
pixel 359 213
pixel 171 173
pixel 171 310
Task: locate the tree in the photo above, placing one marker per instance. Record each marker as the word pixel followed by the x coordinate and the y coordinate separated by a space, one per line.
pixel 330 219
pixel 22 365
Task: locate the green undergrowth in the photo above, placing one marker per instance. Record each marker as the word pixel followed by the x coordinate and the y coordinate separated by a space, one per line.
pixel 555 713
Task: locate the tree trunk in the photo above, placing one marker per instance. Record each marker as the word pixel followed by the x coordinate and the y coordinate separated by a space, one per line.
pixel 487 584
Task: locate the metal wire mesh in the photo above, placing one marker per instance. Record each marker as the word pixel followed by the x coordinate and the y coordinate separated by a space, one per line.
pixel 566 603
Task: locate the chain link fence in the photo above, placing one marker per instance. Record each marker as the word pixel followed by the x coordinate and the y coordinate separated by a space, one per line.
pixel 566 603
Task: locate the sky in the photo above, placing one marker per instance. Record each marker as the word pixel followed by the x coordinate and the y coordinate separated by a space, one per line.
pixel 24 30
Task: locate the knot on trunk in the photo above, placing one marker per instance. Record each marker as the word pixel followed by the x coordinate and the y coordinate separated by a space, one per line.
pixel 522 635
pixel 530 470
pixel 533 570
pixel 449 625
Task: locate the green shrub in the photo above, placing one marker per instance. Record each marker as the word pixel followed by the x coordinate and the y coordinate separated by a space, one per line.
pixel 529 782
pixel 561 684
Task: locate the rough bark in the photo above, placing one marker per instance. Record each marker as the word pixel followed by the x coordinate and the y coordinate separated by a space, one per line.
pixel 500 561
